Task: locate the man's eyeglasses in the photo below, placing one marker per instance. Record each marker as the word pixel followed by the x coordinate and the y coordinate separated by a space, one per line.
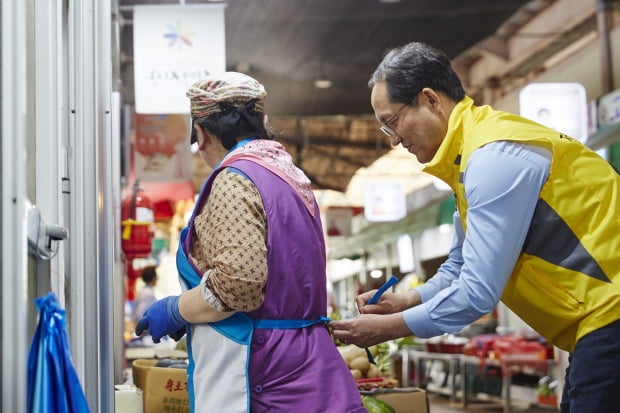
pixel 385 126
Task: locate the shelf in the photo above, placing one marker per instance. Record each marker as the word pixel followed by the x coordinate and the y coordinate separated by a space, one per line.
pixel 433 388
pixel 605 136
pixel 457 376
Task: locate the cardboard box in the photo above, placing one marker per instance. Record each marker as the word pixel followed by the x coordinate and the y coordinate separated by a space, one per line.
pixel 164 389
pixel 403 399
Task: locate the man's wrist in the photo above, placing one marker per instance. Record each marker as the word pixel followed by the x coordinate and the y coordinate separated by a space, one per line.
pixel 413 298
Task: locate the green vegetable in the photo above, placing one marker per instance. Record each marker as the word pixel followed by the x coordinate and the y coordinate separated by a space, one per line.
pixel 376 406
pixel 381 354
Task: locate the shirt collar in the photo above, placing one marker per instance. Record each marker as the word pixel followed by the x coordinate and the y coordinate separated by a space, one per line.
pixel 444 164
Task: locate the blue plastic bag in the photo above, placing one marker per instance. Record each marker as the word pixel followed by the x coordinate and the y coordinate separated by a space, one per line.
pixel 53 384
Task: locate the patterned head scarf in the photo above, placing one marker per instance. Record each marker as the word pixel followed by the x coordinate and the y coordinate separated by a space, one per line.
pixel 229 87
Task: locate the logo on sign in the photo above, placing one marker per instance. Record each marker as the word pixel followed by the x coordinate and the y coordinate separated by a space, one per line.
pixel 178 35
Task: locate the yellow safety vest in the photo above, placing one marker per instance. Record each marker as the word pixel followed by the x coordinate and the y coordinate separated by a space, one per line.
pixel 566 282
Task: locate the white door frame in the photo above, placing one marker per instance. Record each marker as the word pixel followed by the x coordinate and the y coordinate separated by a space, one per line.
pixel 58 148
pixel 92 200
pixel 14 237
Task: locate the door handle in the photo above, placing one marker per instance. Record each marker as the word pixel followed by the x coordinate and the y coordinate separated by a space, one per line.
pixel 43 238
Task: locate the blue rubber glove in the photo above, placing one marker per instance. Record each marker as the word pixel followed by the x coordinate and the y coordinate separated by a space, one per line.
pixel 163 318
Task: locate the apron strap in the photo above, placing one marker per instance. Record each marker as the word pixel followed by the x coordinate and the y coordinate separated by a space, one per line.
pixel 285 324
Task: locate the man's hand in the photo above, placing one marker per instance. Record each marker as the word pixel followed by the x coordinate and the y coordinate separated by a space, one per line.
pixel 389 303
pixel 163 318
pixel 369 329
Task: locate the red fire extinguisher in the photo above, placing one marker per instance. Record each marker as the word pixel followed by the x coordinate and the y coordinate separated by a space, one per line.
pixel 137 233
pixel 137 224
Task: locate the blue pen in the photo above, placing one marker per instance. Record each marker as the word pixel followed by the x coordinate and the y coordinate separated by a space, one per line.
pixel 373 300
pixel 393 280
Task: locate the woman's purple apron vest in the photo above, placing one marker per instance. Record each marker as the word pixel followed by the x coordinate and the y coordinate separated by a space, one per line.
pixel 279 357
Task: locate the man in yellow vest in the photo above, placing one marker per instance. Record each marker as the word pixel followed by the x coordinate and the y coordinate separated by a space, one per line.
pixel 537 225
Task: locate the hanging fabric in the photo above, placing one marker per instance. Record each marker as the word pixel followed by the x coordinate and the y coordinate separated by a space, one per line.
pixel 53 384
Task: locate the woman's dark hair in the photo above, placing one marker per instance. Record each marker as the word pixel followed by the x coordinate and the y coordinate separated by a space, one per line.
pixel 408 69
pixel 149 273
pixel 233 123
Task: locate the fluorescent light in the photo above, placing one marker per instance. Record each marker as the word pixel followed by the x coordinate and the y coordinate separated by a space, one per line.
pixel 376 274
pixel 322 83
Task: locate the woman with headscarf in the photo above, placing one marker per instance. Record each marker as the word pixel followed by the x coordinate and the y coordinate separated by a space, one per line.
pixel 252 263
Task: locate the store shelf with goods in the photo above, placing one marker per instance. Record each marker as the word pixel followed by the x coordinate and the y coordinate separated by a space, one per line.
pixel 465 378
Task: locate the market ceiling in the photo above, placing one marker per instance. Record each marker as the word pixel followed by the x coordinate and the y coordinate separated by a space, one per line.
pixel 289 44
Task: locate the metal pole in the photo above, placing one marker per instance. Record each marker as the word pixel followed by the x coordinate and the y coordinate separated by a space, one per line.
pixel 48 158
pixel 604 17
pixel 106 200
pixel 92 209
pixel 116 149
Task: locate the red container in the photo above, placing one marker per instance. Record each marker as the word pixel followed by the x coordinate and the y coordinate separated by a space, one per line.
pixel 551 400
pixel 444 348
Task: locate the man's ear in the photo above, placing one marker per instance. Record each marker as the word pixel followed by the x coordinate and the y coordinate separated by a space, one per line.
pixel 432 98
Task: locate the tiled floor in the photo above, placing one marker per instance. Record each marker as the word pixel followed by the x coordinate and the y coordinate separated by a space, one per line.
pixel 441 404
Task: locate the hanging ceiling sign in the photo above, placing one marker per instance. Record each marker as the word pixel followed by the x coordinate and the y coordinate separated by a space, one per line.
pixel 174 46
pixel 385 201
pixel 559 106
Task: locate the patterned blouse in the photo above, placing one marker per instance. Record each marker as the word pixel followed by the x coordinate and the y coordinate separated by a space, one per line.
pixel 229 244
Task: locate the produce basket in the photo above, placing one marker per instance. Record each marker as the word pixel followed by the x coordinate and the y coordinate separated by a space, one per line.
pixel 376 383
pixel 446 344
